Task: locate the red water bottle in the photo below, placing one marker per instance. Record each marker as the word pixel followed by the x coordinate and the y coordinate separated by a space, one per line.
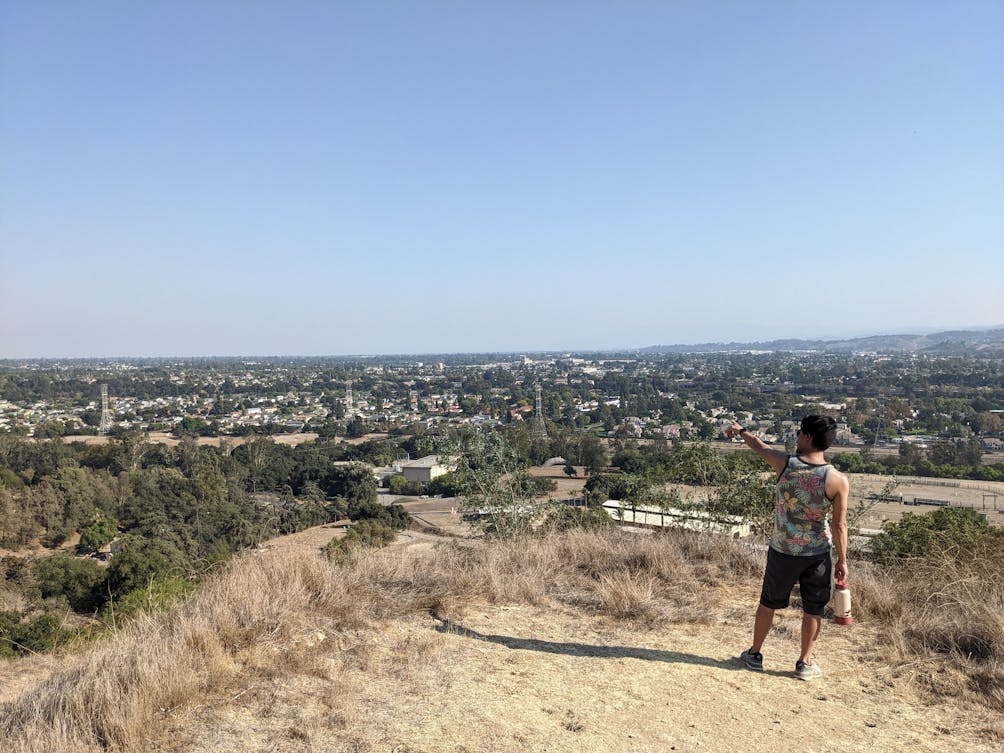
pixel 842 603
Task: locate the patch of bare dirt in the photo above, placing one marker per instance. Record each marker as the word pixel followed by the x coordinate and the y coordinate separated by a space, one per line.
pixel 312 539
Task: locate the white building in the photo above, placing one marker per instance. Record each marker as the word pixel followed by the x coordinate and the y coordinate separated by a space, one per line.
pixel 424 469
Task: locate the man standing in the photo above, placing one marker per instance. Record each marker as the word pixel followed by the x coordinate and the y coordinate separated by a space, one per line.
pixel 808 488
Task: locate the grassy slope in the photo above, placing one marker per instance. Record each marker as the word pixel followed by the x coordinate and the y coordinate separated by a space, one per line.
pixel 574 642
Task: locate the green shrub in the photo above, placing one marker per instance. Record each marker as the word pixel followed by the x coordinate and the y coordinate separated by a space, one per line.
pixel 369 533
pixel 393 516
pixel 957 529
pixel 541 485
pixel 158 595
pixel 445 486
pixel 396 483
pixel 81 581
pixel 566 517
pixel 20 637
pixel 99 533
pixel 142 561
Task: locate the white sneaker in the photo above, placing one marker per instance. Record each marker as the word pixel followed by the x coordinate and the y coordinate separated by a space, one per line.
pixel 807 670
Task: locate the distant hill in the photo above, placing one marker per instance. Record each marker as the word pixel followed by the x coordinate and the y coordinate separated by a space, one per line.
pixel 950 342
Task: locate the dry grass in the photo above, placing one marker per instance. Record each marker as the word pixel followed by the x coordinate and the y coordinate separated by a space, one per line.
pixel 947 613
pixel 11 601
pixel 276 614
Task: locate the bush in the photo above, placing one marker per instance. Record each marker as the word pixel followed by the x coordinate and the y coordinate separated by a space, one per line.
pixel 956 529
pixel 140 562
pixel 99 533
pixel 621 486
pixel 445 486
pixel 367 533
pixel 565 517
pixel 414 488
pixel 80 581
pixel 35 636
pixel 393 516
pixel 156 596
pixel 542 485
pixel 396 483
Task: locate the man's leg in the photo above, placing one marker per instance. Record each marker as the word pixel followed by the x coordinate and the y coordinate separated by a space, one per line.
pixel 761 626
pixel 815 588
pixel 810 633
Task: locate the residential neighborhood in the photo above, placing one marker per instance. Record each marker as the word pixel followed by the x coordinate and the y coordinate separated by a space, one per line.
pixel 878 400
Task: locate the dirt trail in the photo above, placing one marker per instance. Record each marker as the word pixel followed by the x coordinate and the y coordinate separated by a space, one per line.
pixel 520 679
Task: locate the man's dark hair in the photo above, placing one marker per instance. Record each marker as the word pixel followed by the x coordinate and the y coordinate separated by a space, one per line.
pixel 822 429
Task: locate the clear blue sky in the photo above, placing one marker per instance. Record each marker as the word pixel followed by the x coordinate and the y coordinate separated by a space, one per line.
pixel 196 178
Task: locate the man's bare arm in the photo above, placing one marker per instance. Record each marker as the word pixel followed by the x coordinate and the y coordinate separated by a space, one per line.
pixel 776 459
pixel 838 490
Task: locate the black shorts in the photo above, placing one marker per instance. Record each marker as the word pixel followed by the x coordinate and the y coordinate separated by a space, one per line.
pixel 812 573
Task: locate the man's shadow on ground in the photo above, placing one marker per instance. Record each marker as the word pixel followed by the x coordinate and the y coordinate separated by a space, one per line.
pixel 590 650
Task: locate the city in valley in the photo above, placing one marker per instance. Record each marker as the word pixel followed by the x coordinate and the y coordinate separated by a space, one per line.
pixel 879 401
pixel 901 414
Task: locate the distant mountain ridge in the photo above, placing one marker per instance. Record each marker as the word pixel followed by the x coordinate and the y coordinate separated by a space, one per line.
pixel 939 343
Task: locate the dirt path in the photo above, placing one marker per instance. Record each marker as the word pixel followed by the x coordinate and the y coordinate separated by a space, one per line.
pixel 520 679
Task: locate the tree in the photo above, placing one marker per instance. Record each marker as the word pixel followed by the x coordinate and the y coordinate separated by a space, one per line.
pixel 497 494
pixel 142 561
pixel 396 483
pixel 17 524
pixel 353 482
pixel 592 454
pixel 49 429
pixel 99 533
pixel 80 581
pixel 191 426
pixel 750 495
pixel 132 448
pixel 270 465
pixel 987 423
pixel 356 428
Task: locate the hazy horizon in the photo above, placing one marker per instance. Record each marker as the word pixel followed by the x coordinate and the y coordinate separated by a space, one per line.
pixel 255 177
pixel 914 331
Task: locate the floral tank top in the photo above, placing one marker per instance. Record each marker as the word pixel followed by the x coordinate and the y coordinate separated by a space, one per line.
pixel 800 524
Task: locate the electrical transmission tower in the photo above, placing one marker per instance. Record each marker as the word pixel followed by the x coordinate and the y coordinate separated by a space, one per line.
pixel 348 398
pixel 106 414
pixel 538 420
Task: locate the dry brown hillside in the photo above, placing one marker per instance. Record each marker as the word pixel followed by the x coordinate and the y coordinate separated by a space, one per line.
pixel 573 642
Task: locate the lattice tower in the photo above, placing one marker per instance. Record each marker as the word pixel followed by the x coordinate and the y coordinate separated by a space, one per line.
pixel 106 414
pixel 538 420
